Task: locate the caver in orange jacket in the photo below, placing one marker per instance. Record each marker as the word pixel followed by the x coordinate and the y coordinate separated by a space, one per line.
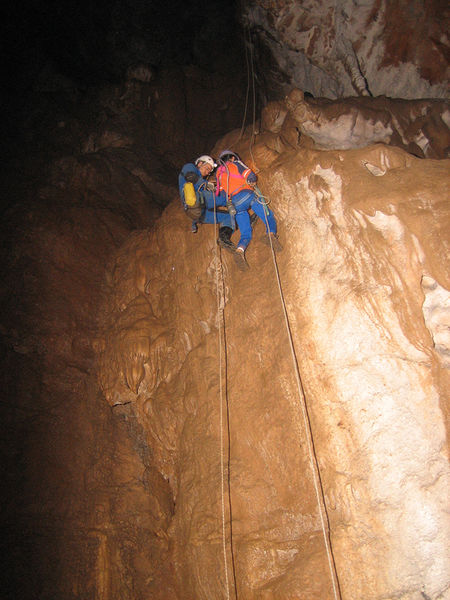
pixel 232 178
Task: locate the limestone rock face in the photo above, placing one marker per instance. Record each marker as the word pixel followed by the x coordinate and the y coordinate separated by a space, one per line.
pixel 85 512
pixel 199 355
pixel 76 509
pixel 159 441
pixel 422 127
pixel 341 48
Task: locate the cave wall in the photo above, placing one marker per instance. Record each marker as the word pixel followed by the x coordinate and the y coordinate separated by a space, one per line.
pixel 86 512
pixel 76 506
pixel 360 230
pixel 113 446
pixel 336 49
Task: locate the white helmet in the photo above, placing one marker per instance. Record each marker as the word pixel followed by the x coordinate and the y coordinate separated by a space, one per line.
pixel 206 159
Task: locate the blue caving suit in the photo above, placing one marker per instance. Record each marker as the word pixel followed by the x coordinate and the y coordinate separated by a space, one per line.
pixel 207 198
pixel 244 200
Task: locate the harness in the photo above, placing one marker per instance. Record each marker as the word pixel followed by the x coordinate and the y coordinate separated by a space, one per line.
pixel 231 180
pixel 201 194
pixel 244 198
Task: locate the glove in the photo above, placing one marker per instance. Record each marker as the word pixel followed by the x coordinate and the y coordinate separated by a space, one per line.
pixel 191 176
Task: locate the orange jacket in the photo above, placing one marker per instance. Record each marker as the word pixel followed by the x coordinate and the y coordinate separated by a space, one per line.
pixel 231 179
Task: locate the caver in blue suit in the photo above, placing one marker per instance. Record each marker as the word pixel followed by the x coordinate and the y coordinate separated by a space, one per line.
pixel 203 211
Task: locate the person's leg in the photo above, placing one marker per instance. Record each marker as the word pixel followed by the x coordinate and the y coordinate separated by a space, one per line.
pixel 212 201
pixel 223 218
pixel 241 203
pixel 268 220
pixel 226 228
pixel 244 225
pixel 259 209
pixel 243 222
pixel 224 239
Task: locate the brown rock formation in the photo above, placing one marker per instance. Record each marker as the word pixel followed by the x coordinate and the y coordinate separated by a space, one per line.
pixel 144 455
pixel 85 513
pixel 335 49
pixel 422 127
pixel 360 230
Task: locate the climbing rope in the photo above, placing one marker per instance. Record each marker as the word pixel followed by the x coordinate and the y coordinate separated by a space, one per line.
pixel 220 285
pixel 252 138
pixel 320 496
pixel 250 77
pixel 220 294
pixel 301 393
pixel 261 199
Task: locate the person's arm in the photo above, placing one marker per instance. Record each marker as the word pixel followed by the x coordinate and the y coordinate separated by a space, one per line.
pixel 249 175
pixel 190 173
pixel 252 179
pixel 189 176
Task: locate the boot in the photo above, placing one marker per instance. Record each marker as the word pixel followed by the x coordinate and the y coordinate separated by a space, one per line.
pixel 275 241
pixel 239 259
pixel 224 240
